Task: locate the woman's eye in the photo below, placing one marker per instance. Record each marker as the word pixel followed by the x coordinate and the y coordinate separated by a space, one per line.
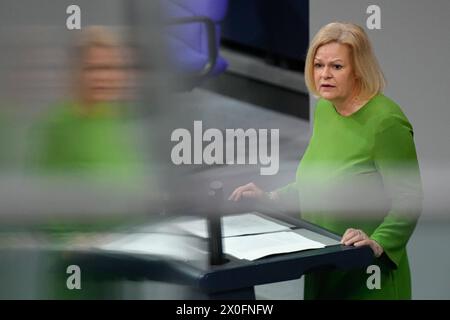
pixel 338 66
pixel 317 65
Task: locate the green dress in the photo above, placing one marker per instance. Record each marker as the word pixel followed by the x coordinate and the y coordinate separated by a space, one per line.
pixel 361 172
pixel 96 148
pixel 72 142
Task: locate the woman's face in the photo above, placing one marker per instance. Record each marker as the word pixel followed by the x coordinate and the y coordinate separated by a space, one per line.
pixel 333 72
pixel 104 74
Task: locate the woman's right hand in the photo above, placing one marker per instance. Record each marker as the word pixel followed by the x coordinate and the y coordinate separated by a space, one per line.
pixel 249 190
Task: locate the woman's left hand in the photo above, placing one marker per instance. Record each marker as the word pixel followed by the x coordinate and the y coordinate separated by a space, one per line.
pixel 358 238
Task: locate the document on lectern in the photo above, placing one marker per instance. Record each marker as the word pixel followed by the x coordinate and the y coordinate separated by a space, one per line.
pixel 165 245
pixel 234 225
pixel 256 246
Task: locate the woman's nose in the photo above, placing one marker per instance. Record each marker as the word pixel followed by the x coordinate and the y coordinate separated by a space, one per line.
pixel 326 73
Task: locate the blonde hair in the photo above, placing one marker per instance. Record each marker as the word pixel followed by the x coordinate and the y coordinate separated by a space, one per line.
pixel 369 76
pixel 98 36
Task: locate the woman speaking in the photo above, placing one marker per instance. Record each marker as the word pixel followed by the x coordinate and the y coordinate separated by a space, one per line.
pixel 359 176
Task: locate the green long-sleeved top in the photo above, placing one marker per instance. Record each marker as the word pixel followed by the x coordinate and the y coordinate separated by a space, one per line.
pixel 361 171
pixel 97 146
pixel 73 142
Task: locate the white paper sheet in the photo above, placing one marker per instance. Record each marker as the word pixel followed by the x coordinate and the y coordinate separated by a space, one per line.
pixel 253 247
pixel 235 225
pixel 167 245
